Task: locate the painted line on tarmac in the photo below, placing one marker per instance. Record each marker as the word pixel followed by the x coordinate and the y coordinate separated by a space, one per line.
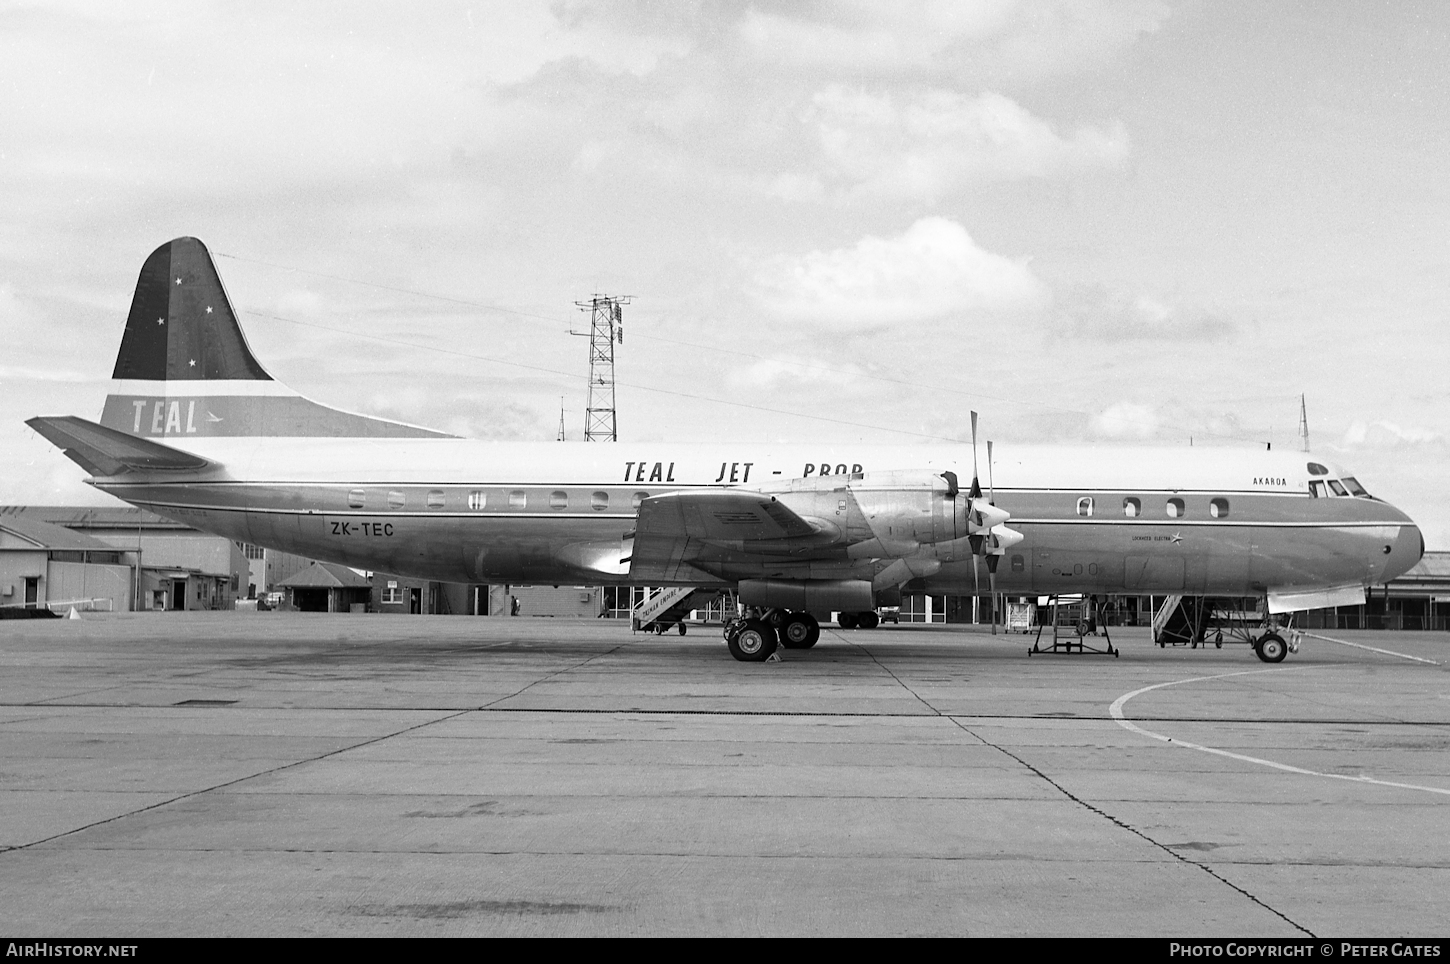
pixel 1117 713
pixel 1372 649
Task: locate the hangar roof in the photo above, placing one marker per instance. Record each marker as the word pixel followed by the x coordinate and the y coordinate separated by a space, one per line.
pixel 91 516
pixel 325 574
pixel 47 535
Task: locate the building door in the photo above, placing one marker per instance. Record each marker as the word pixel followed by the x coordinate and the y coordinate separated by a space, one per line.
pixel 415 600
pixel 32 591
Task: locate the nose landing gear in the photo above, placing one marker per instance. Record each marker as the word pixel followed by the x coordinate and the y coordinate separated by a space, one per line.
pixel 1271 647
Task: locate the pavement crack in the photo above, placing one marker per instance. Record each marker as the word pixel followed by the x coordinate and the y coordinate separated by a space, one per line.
pixel 1092 808
pixel 229 783
pixel 548 676
pixel 1135 831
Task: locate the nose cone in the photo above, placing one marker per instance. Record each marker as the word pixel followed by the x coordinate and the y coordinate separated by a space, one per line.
pixel 1404 553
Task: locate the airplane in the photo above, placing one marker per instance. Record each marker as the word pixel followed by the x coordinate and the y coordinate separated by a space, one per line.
pixel 195 429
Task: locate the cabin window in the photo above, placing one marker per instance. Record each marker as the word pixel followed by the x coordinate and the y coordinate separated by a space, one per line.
pixel 1132 508
pixel 599 501
pixel 1316 469
pixel 1316 490
pixel 558 499
pixel 1354 487
pixel 1218 508
pixel 477 499
pixel 435 499
pixel 1175 508
pixel 396 499
pixel 1017 563
pixel 357 498
pixel 518 499
pixel 1337 488
pixel 1085 505
pixel 638 498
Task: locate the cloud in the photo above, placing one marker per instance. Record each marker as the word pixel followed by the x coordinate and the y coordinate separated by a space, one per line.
pixel 924 145
pixel 931 271
pixel 1126 420
pixel 778 373
pixel 22 373
pixel 1096 312
pixel 1388 435
pixel 944 38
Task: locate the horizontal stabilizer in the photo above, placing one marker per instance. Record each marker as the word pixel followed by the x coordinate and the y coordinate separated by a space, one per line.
pixel 105 451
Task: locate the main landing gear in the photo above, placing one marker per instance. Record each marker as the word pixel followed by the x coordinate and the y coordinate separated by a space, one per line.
pixel 864 620
pixel 754 638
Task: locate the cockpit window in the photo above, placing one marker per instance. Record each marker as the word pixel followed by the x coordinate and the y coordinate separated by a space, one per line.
pixel 1336 487
pixel 1316 469
pixel 1354 486
pixel 1316 489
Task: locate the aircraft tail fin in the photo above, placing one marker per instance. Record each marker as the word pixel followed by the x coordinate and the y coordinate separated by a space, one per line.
pixel 185 368
pixel 105 451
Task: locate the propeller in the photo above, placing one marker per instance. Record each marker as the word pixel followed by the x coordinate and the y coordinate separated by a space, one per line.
pixel 976 541
pixel 995 552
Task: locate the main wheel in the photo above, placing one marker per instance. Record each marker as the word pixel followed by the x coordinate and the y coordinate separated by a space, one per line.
pixel 799 631
pixel 868 620
pixel 846 620
pixel 753 643
pixel 1271 648
pixel 681 627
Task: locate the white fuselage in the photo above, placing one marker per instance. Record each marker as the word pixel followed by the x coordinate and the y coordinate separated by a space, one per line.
pixel 1093 519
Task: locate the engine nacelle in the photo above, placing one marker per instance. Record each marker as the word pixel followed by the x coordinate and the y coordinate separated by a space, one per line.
pixel 808 595
pixel 921 508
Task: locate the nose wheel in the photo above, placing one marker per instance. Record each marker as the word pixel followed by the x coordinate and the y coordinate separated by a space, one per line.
pixel 1271 648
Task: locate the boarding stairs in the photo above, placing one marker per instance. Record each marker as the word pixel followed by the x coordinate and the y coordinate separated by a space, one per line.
pixel 1164 613
pixel 662 610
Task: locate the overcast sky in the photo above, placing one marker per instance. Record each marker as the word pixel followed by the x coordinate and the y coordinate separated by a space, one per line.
pixel 1088 221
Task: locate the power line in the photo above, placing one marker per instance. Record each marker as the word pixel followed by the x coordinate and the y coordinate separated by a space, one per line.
pixel 806 365
pixel 574 375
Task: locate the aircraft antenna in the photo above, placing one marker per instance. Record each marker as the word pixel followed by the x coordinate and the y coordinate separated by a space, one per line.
pixel 606 329
pixel 1303 424
pixel 561 418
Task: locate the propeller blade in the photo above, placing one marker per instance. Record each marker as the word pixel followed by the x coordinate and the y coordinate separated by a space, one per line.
pixel 976 492
pixel 977 574
pixel 991 487
pixel 992 581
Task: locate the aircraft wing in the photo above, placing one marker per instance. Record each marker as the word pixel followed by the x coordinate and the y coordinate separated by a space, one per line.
pixel 676 529
pixel 105 451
